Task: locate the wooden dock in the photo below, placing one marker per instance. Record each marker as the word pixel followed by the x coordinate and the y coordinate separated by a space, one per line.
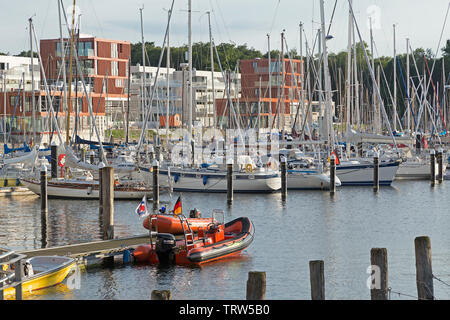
pixel 89 253
pixel 15 191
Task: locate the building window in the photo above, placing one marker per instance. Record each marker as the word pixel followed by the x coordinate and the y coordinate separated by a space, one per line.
pixel 119 83
pixel 113 50
pixel 114 68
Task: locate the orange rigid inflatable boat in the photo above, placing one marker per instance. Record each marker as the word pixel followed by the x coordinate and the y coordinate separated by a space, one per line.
pixel 167 223
pixel 215 242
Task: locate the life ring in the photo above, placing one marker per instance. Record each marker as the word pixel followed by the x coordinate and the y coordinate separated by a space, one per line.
pixel 248 167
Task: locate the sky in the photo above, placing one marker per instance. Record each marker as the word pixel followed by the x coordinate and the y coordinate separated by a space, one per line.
pixel 234 21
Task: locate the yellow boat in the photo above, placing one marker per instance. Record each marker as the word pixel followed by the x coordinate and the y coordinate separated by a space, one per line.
pixel 45 271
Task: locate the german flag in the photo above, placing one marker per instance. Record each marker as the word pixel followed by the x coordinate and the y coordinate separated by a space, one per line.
pixel 177 208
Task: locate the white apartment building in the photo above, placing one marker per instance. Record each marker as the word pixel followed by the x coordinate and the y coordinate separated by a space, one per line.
pixel 202 97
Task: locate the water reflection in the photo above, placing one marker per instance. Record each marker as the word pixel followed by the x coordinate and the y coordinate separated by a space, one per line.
pixel 310 225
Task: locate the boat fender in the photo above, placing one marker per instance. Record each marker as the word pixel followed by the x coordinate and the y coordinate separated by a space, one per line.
pixel 126 256
pixel 176 177
pixel 205 180
pixel 5 182
pixel 17 181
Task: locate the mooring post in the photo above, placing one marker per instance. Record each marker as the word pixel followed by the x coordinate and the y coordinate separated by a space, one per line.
pixel 256 285
pixel 43 189
pixel 317 279
pixel 283 178
pixel 108 202
pixel 379 263
pixel 440 162
pixel 376 172
pixel 230 181
pixel 18 274
pixel 432 167
pixel 100 192
pixel 54 159
pixel 161 295
pixel 155 168
pixel 91 157
pixel 83 154
pixel 424 272
pixel 332 174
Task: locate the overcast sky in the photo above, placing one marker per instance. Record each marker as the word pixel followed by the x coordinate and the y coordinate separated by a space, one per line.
pixel 233 21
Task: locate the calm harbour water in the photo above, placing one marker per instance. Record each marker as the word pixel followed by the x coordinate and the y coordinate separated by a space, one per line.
pixel 311 225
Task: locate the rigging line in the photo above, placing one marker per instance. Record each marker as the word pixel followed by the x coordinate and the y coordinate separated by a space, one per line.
pixel 331 19
pixel 96 17
pixel 435 94
pixel 274 17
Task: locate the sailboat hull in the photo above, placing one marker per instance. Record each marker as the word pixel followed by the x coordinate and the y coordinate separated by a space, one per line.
pixel 81 190
pixel 361 174
pixel 216 181
pixel 304 180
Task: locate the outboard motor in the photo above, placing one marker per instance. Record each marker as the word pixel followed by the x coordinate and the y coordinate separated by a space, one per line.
pixel 165 248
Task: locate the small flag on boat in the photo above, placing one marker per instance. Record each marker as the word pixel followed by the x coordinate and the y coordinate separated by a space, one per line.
pixel 141 210
pixel 177 208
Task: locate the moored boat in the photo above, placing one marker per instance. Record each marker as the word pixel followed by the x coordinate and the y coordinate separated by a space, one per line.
pixel 86 189
pixel 217 241
pixel 41 272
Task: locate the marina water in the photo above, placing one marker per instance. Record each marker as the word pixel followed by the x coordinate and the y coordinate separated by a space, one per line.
pixel 310 225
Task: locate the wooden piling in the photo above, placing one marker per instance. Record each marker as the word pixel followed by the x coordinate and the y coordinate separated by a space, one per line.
pixel 332 174
pixel 376 173
pixel 91 157
pixel 440 162
pixel 54 160
pixel 155 184
pixel 432 167
pixel 108 202
pixel 18 274
pixel 378 259
pixel 283 178
pixel 256 285
pixel 424 272
pixel 317 279
pixel 43 176
pixel 161 295
pixel 230 182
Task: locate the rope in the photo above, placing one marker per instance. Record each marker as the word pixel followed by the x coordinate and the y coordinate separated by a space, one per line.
pixel 441 281
pixel 399 293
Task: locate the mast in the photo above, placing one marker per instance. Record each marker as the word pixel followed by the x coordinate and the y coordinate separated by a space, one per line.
pixel 408 111
pixel 348 80
pixel 212 74
pixel 270 83
pixel 70 77
pixel 394 107
pixel 33 108
pixel 328 104
pixel 63 57
pixel 128 102
pixel 282 98
pixel 190 69
pixel 143 75
pixel 168 81
pixel 302 70
pixel 4 107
